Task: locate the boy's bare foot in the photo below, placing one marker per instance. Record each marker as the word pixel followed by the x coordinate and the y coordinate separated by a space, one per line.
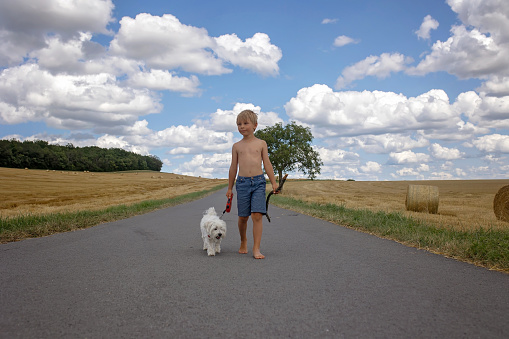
pixel 243 247
pixel 258 255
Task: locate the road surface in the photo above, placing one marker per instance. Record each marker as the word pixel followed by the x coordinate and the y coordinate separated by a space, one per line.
pixel 148 277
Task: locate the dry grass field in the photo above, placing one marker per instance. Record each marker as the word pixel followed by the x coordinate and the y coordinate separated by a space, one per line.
pixel 463 204
pixel 43 192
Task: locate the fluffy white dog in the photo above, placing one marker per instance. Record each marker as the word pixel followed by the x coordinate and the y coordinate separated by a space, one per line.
pixel 213 231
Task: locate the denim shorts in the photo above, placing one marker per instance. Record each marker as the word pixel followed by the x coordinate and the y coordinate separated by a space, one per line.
pixel 251 195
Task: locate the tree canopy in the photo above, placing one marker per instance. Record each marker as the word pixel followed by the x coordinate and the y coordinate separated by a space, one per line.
pixel 290 149
pixel 39 154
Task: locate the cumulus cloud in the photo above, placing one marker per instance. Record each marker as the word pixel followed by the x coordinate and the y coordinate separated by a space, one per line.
pixel 485 56
pixel 24 24
pixel 497 86
pixel 71 82
pixel 336 156
pixel 406 171
pixel 494 143
pixel 206 165
pixel 386 143
pixel 483 36
pixel 163 42
pixel 408 157
pixel 360 113
pixel 484 111
pixel 427 25
pixel 226 120
pixel 371 167
pixel 444 153
pixel 164 80
pixel 378 66
pixel 344 40
pixel 256 54
pixel 489 16
pixel 65 101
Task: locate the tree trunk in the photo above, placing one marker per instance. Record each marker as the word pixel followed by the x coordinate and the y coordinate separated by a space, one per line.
pixel 280 173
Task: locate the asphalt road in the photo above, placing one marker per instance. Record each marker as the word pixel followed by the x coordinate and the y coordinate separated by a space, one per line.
pixel 148 277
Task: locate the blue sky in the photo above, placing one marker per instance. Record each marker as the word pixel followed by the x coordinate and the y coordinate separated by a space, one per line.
pixel 391 90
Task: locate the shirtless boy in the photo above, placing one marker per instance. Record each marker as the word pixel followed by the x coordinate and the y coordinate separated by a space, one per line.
pixel 248 155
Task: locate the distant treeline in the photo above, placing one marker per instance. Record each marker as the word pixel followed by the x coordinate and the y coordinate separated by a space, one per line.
pixel 41 155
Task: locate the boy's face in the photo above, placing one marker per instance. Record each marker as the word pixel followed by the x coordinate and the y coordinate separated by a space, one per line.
pixel 246 127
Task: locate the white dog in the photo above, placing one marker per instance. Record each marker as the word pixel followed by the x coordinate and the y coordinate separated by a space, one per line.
pixel 213 231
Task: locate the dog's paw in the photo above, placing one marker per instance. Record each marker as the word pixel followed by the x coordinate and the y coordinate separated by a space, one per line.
pixel 211 254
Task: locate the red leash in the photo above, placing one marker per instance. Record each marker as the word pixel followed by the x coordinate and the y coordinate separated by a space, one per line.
pixel 228 206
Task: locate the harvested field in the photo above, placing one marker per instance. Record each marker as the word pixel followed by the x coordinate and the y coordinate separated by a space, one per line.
pixel 43 192
pixel 463 204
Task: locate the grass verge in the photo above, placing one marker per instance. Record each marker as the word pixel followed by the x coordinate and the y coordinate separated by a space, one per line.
pixel 32 226
pixel 487 248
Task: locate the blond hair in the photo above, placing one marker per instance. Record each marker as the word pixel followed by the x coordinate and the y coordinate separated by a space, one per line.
pixel 247 115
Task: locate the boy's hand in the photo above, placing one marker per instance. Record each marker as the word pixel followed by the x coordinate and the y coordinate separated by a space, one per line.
pixel 229 194
pixel 274 189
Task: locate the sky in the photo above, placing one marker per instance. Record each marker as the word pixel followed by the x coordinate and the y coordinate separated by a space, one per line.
pixel 390 89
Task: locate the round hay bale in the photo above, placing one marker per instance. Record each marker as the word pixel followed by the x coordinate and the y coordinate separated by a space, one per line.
pixel 422 198
pixel 501 204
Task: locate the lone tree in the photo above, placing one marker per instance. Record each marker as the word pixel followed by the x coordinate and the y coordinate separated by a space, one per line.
pixel 290 149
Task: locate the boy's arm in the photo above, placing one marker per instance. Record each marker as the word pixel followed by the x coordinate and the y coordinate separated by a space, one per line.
pixel 232 173
pixel 268 166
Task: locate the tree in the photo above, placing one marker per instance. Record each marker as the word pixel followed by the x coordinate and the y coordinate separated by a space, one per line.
pixel 290 148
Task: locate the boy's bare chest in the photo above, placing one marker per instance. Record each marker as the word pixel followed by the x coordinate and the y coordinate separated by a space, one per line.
pixel 255 152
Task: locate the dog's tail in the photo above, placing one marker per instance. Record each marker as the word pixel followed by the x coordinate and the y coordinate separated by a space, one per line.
pixel 210 211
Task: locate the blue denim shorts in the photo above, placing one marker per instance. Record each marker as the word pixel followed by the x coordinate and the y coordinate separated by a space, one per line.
pixel 251 195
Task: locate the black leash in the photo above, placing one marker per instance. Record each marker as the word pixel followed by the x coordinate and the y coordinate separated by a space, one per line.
pixel 278 189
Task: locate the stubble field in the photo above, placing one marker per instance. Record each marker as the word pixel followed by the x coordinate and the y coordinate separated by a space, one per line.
pixel 38 192
pixel 463 204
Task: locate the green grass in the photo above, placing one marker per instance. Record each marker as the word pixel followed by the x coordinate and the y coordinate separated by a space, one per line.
pixel 31 226
pixel 487 248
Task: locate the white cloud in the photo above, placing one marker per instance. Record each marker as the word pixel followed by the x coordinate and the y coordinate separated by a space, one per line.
pixel 344 40
pixel 493 143
pixel 360 113
pixel 111 141
pixel 188 140
pixel 329 21
pixel 256 54
pixel 406 171
pixel 378 66
pixel 163 42
pixel 207 165
pixel 408 157
pixel 460 172
pixel 25 23
pixel 66 101
pixel 484 111
pixel 496 86
pixel 485 56
pixel 445 153
pixel 423 168
pixel 441 176
pixel 164 80
pixel 371 167
pixel 489 16
pixel 386 143
pixel 478 47
pixel 226 120
pixel 331 157
pixel 427 25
